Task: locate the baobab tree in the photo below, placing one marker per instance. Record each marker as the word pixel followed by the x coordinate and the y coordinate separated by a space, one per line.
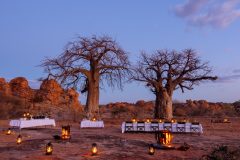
pixel 165 71
pixel 88 62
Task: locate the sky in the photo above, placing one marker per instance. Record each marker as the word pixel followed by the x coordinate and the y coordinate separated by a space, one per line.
pixel 33 30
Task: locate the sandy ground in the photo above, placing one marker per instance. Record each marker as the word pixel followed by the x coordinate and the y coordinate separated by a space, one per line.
pixel 112 144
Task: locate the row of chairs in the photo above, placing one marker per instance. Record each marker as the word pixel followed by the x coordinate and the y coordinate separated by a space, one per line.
pixel 154 126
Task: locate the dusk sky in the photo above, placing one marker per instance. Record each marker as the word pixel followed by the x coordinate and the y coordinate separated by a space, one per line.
pixel 32 30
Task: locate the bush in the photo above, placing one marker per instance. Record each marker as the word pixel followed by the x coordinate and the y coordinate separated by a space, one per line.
pixel 117 110
pixel 223 153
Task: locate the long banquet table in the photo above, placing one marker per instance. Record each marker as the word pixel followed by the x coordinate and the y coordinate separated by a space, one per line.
pixel 24 123
pixel 91 124
pixel 173 127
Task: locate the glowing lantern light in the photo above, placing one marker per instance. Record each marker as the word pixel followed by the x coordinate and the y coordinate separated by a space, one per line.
pixel 94 149
pixel 151 149
pixel 165 137
pixel 19 139
pixel 134 120
pixel 66 132
pixel 94 119
pixel 148 120
pixel 225 120
pixel 9 131
pixel 49 148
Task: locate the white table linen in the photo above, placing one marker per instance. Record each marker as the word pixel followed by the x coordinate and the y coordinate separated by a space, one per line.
pixel 91 124
pixel 23 123
pixel 174 126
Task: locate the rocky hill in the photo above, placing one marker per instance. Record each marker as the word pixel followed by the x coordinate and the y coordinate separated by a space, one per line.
pixel 145 109
pixel 50 99
pixel 16 97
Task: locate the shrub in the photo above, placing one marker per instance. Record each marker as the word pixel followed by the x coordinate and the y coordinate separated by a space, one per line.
pixel 223 153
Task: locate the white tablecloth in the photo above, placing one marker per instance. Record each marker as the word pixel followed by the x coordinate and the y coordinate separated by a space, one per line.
pixel 22 123
pixel 91 124
pixel 187 127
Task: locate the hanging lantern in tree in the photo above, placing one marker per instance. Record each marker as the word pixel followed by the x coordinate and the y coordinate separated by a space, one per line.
pixel 19 139
pixel 49 148
pixel 94 149
pixel 66 132
pixel 9 131
pixel 151 149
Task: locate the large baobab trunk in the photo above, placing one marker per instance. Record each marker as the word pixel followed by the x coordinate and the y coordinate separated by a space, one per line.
pixel 92 103
pixel 163 105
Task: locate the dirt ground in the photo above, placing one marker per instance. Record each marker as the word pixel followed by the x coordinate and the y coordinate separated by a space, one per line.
pixel 112 144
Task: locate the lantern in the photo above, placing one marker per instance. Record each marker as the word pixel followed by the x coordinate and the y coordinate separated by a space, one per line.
pixel 160 120
pixel 66 132
pixel 151 149
pixel 148 120
pixel 9 131
pixel 165 137
pixel 19 139
pixel 94 119
pixel 225 120
pixel 49 148
pixel 134 120
pixel 173 121
pixel 94 149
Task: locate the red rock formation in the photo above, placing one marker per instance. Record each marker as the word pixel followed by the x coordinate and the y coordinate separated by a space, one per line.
pixel 50 91
pixel 20 88
pixel 72 96
pixel 4 87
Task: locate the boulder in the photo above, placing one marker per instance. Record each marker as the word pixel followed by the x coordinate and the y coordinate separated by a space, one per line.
pixel 50 91
pixel 4 87
pixel 20 88
pixel 73 97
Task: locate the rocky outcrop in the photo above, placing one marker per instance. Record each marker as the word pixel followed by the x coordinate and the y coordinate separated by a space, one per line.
pixel 72 96
pixel 20 88
pixel 4 87
pixel 50 92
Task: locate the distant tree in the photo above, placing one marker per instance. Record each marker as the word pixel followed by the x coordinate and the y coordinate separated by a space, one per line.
pixel 165 71
pixel 85 63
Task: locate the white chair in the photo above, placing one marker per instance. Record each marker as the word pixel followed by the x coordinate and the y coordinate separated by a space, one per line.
pixel 154 126
pixel 140 126
pixel 129 127
pixel 195 127
pixel 167 126
pixel 181 127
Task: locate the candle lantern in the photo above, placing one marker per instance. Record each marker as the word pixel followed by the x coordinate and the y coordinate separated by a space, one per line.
pixel 134 120
pixel 148 120
pixel 9 131
pixel 49 148
pixel 94 119
pixel 151 149
pixel 19 139
pixel 165 137
pixel 66 132
pixel 94 149
pixel 173 120
pixel 160 121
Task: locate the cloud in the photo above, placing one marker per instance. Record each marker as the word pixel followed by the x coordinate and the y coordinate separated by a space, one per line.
pixel 214 13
